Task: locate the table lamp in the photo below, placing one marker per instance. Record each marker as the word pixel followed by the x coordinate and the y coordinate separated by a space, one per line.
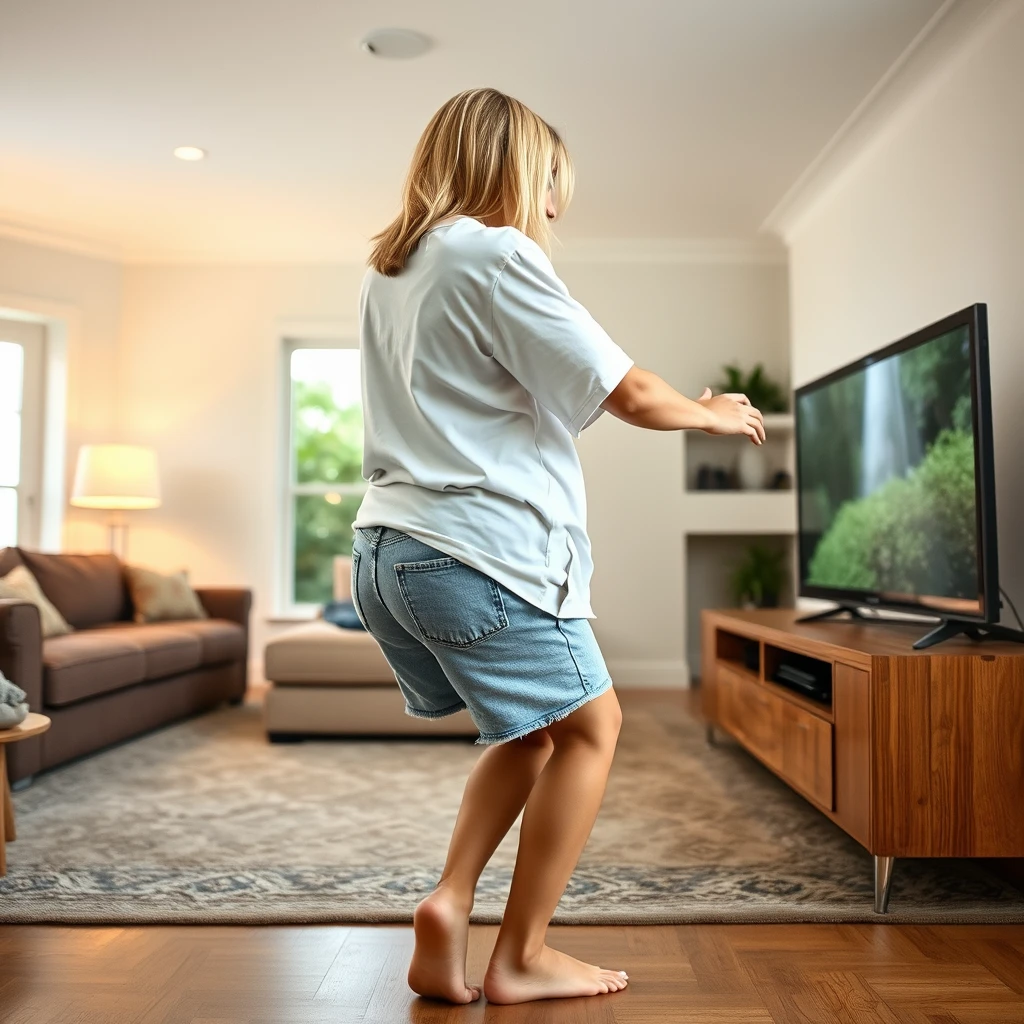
pixel 119 477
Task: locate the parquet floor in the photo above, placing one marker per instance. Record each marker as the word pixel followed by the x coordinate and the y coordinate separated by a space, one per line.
pixel 711 974
pixel 749 974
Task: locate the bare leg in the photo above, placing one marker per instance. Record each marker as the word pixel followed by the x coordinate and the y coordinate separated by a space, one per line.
pixel 560 814
pixel 495 793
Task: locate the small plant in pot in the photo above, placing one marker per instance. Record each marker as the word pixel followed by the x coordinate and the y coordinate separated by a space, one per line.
pixel 759 579
pixel 764 393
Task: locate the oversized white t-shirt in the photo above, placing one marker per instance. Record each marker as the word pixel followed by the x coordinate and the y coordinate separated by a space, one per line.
pixel 478 370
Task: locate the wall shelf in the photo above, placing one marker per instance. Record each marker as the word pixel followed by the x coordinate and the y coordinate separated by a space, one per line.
pixel 739 512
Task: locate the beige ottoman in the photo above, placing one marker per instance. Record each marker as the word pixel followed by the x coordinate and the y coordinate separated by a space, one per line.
pixel 331 681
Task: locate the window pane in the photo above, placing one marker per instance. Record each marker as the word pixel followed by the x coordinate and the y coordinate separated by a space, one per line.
pixel 8 517
pixel 323 529
pixel 11 373
pixel 327 415
pixel 10 449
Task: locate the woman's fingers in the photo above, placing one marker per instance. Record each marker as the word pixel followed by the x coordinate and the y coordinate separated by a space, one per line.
pixel 742 399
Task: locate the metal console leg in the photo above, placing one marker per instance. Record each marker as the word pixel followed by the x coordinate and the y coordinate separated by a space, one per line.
pixel 883 882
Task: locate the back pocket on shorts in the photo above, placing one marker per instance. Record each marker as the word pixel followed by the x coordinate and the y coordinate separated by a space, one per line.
pixel 451 602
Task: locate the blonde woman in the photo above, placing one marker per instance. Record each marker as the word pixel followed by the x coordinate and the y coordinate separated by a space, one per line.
pixel 471 562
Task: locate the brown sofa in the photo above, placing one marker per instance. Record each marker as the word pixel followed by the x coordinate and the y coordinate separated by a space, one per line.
pixel 110 678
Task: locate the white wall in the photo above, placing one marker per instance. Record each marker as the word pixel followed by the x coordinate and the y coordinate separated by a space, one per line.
pixel 200 381
pixel 85 293
pixel 930 218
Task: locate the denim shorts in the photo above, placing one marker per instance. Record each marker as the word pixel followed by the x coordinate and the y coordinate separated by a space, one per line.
pixel 456 638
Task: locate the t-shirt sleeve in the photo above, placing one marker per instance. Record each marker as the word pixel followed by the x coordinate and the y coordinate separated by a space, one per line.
pixel 550 343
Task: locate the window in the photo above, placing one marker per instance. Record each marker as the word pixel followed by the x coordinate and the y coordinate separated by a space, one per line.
pixel 21 401
pixel 325 455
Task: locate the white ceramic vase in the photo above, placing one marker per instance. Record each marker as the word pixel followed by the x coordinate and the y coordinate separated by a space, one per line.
pixel 752 468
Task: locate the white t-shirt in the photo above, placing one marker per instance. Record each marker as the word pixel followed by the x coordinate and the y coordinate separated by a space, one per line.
pixel 478 369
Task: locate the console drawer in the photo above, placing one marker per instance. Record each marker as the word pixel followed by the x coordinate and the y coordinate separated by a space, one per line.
pixel 751 714
pixel 794 742
pixel 807 754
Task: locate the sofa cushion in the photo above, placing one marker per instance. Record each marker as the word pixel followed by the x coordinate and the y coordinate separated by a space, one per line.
pixel 114 656
pixel 168 651
pixel 9 559
pixel 219 639
pixel 89 662
pixel 86 589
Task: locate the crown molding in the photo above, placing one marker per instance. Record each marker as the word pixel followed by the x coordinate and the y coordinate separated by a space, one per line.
pixel 762 250
pixel 49 239
pixel 948 34
pixel 670 250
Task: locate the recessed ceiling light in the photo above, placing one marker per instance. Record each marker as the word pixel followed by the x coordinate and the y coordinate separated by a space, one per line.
pixel 396 43
pixel 190 153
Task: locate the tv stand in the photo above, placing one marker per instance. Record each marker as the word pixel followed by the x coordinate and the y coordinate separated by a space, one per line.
pixel 912 753
pixel 839 609
pixel 947 629
pixel 977 631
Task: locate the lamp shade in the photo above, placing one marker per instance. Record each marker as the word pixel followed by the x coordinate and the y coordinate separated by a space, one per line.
pixel 116 476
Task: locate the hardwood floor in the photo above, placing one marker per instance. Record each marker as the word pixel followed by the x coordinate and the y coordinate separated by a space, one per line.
pixel 739 974
pixel 712 974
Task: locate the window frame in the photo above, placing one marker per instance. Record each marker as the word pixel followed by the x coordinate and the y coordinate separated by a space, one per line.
pixel 31 338
pixel 288 489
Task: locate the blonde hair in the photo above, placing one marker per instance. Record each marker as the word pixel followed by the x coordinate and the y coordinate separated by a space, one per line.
pixel 483 155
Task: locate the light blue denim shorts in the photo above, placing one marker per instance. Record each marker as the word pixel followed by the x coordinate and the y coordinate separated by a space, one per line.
pixel 456 638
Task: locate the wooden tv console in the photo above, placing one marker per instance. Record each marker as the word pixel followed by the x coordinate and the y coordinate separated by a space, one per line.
pixel 919 753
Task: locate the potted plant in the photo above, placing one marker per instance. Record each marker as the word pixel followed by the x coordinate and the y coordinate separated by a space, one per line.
pixel 759 579
pixel 764 393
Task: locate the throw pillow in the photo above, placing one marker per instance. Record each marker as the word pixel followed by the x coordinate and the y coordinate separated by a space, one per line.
pixel 19 583
pixel 343 614
pixel 162 598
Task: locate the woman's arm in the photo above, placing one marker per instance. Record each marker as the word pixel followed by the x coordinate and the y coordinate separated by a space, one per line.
pixel 643 399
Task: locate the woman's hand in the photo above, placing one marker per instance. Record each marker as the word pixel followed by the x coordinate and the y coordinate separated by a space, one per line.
pixel 732 414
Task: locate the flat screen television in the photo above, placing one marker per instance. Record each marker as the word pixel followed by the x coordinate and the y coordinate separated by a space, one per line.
pixel 895 480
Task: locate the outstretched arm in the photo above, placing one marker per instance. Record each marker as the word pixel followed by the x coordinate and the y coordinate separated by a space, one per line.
pixel 645 400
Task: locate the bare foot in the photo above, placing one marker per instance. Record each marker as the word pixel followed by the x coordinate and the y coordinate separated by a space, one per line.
pixel 438 968
pixel 552 975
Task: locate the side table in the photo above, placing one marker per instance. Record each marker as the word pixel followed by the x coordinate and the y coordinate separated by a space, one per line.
pixel 32 726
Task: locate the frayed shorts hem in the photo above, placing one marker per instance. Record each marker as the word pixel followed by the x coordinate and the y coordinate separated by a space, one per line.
pixel 492 739
pixel 443 713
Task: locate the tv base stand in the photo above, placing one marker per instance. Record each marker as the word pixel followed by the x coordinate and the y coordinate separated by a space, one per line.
pixel 946 629
pixel 977 631
pixel 917 754
pixel 840 609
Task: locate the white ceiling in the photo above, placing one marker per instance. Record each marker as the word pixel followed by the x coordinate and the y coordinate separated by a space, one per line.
pixel 686 118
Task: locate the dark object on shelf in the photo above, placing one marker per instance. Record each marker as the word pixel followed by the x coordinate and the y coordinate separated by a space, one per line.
pixel 781 481
pixel 808 676
pixel 343 614
pixel 763 392
pixel 714 478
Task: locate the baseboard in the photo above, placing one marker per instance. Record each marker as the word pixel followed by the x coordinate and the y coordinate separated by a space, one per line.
pixel 649 674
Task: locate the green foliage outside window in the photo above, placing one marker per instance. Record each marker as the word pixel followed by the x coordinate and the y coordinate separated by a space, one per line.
pixel 328 449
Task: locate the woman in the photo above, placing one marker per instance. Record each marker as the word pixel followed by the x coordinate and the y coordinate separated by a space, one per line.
pixel 471 562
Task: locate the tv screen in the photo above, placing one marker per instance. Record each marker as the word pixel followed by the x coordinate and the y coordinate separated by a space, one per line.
pixel 894 467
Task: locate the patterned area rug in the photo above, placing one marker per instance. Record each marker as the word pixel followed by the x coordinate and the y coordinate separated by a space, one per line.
pixel 206 822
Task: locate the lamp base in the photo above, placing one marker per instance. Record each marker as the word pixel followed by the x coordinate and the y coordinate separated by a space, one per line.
pixel 117 536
